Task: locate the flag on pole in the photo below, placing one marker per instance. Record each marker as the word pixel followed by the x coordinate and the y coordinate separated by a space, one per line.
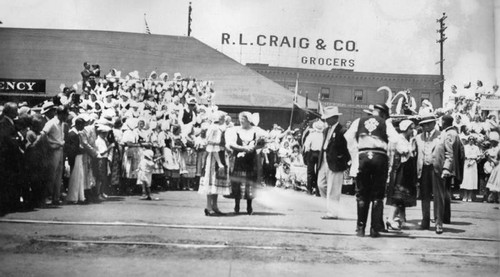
pixel 320 106
pixel 146 25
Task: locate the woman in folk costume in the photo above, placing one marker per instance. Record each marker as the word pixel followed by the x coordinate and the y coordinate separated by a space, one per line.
pixel 493 156
pixel 402 189
pixel 131 153
pixel 243 142
pixel 78 177
pixel 157 147
pixel 200 145
pixel 470 179
pixel 215 181
pixel 176 143
pixel 117 156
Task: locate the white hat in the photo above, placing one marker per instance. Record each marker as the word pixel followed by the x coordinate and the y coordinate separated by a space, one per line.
pixel 148 154
pixel 403 125
pixel 103 128
pixel 330 111
pixel 494 136
pixel 318 126
pixel 47 106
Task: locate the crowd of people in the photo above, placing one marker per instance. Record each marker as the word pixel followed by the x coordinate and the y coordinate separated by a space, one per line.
pixel 127 135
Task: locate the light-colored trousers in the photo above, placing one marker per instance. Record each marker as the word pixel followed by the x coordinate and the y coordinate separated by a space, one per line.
pixel 330 187
pixel 56 160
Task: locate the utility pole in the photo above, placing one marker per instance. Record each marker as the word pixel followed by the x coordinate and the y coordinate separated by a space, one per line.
pixel 189 19
pixel 441 40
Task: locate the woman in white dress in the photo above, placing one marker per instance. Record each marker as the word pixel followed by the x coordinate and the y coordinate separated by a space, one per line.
pixel 78 177
pixel 470 179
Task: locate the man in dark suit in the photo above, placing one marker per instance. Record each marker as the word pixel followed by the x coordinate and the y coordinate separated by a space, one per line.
pixel 332 163
pixel 10 158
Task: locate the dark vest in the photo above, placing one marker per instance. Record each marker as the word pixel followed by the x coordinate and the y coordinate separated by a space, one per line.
pixel 372 126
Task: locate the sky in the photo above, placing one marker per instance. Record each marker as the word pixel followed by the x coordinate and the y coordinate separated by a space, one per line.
pixel 386 36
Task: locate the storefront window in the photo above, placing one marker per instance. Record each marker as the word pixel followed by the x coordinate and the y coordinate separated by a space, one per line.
pixel 325 93
pixel 358 95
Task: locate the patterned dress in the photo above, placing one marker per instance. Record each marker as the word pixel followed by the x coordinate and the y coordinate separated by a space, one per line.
pixel 244 174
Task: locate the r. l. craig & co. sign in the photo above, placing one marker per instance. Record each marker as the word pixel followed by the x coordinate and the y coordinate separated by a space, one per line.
pixel 316 53
pixel 22 86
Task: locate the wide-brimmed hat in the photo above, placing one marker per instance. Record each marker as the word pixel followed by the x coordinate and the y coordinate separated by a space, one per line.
pixel 382 107
pixel 103 128
pixel 318 126
pixel 403 125
pixel 330 111
pixel 427 119
pixel 47 106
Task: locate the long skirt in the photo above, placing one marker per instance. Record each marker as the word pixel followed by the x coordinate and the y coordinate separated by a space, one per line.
pixel 190 161
pixel 402 189
pixel 470 176
pixel 131 158
pixel 494 180
pixel 215 180
pixel 77 181
pixel 244 177
pixel 116 167
pixel 171 162
pixel 89 171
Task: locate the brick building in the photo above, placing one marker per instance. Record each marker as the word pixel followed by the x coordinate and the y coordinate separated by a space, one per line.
pixel 349 90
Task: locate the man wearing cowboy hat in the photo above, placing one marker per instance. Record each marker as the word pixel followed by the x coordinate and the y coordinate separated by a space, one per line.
pixel 368 138
pixel 333 159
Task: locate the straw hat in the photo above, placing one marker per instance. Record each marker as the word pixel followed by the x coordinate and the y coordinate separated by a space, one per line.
pixel 330 111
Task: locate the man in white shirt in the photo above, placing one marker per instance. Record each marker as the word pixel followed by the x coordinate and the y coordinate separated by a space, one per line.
pixel 333 159
pixel 312 148
pixel 54 131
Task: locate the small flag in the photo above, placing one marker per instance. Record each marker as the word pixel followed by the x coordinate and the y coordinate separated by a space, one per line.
pixel 146 24
pixel 320 106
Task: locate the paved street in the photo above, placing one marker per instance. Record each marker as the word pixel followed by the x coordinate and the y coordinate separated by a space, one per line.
pixel 285 237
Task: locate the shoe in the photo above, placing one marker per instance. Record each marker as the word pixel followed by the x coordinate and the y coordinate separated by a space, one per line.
pixel 56 203
pixel 237 210
pixel 249 211
pixel 374 233
pixel 105 196
pixel 464 200
pixel 207 212
pixel 329 217
pixel 360 232
pixel 439 230
pixel 390 226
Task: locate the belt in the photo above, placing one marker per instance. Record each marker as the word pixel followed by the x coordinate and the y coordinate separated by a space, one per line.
pixel 371 152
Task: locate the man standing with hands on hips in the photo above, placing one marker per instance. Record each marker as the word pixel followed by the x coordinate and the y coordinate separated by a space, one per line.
pixel 333 160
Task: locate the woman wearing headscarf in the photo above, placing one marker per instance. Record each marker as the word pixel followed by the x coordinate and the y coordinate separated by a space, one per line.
pixel 243 142
pixel 215 181
pixel 402 189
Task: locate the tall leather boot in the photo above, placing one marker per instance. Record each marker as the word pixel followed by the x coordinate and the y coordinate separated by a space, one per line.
pixel 363 208
pixel 377 218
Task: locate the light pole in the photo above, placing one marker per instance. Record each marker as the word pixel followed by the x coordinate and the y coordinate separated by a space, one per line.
pixel 441 40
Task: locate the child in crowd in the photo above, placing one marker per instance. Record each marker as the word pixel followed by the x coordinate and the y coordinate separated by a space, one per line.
pixel 145 173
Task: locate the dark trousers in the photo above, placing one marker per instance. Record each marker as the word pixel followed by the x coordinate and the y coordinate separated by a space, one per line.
pixel 370 186
pixel 447 200
pixel 312 171
pixel 427 181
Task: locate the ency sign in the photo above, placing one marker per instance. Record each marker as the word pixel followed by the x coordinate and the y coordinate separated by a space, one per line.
pixel 22 85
